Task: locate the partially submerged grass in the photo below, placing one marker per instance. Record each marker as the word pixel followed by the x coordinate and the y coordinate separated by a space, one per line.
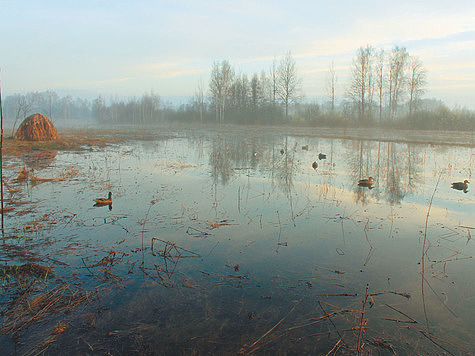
pixel 29 269
pixel 31 306
pixel 65 143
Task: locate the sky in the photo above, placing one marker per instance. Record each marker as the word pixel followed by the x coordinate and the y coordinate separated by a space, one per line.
pixel 128 48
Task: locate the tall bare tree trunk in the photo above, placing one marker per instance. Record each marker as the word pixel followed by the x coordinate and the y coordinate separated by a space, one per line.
pixel 332 85
pixel 288 82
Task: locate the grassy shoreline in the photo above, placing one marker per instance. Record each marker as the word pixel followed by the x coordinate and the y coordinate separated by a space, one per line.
pixel 83 139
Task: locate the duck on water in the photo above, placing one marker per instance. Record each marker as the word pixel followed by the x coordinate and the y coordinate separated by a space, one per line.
pixel 104 201
pixel 366 182
pixel 461 185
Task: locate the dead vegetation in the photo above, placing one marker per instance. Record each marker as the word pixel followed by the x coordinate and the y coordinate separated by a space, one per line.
pixel 37 127
pixel 26 174
pixel 18 148
pixel 27 269
pixel 31 306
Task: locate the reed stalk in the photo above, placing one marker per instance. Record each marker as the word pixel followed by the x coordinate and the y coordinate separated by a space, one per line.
pixel 1 154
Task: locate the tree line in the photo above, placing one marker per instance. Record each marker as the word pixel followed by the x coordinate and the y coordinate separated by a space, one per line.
pixel 385 89
pixel 17 107
pixel 385 83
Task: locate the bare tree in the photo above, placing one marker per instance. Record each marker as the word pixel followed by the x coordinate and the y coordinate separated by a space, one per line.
pixel 255 92
pixel 397 78
pixel 331 85
pixel 24 105
pixel 200 98
pixel 273 75
pixel 416 82
pixel 66 101
pixel 222 76
pixel 288 82
pixel 379 71
pixel 362 85
pixel 99 109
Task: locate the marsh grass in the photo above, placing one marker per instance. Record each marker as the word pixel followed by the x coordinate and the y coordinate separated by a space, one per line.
pixel 65 143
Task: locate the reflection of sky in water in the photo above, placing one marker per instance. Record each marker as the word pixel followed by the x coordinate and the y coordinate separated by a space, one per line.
pixel 286 223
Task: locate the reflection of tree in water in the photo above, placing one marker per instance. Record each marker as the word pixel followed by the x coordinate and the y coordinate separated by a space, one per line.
pixel 249 155
pixel 402 172
pixel 394 192
pixel 232 154
pixel 414 163
pixel 361 166
pixel 396 171
pixel 283 167
pixel 220 161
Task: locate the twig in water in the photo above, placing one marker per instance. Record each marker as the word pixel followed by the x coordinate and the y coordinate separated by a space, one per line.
pixel 402 294
pixel 362 324
pixel 400 312
pixel 440 299
pixel 331 321
pixel 438 338
pixel 424 252
pixel 429 336
pixel 335 347
pixel 249 351
pixel 1 158
pixel 196 232
pixel 82 259
pixel 320 319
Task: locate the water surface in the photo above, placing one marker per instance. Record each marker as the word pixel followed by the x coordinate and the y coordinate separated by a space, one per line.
pixel 229 241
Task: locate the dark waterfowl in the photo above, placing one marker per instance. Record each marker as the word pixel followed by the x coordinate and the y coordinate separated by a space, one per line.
pixel 461 185
pixel 104 201
pixel 322 156
pixel 314 165
pixel 282 151
pixel 305 148
pixel 366 182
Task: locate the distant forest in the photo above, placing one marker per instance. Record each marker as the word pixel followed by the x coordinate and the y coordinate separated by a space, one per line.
pixel 386 89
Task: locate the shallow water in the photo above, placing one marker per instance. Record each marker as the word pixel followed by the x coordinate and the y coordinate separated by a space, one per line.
pixel 216 239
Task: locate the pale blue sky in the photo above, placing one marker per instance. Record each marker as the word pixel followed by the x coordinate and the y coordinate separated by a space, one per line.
pixel 127 48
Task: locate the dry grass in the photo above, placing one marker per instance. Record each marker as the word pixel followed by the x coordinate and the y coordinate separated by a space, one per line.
pixel 37 127
pixel 28 269
pixel 31 308
pixel 65 143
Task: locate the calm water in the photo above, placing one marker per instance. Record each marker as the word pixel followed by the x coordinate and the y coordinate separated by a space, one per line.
pixel 215 240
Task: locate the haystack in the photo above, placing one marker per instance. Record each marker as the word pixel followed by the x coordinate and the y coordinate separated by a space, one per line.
pixel 37 127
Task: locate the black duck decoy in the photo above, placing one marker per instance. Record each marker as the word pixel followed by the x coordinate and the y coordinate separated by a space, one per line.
pixel 461 185
pixel 314 165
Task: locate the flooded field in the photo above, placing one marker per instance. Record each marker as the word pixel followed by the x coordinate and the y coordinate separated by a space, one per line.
pixel 231 242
